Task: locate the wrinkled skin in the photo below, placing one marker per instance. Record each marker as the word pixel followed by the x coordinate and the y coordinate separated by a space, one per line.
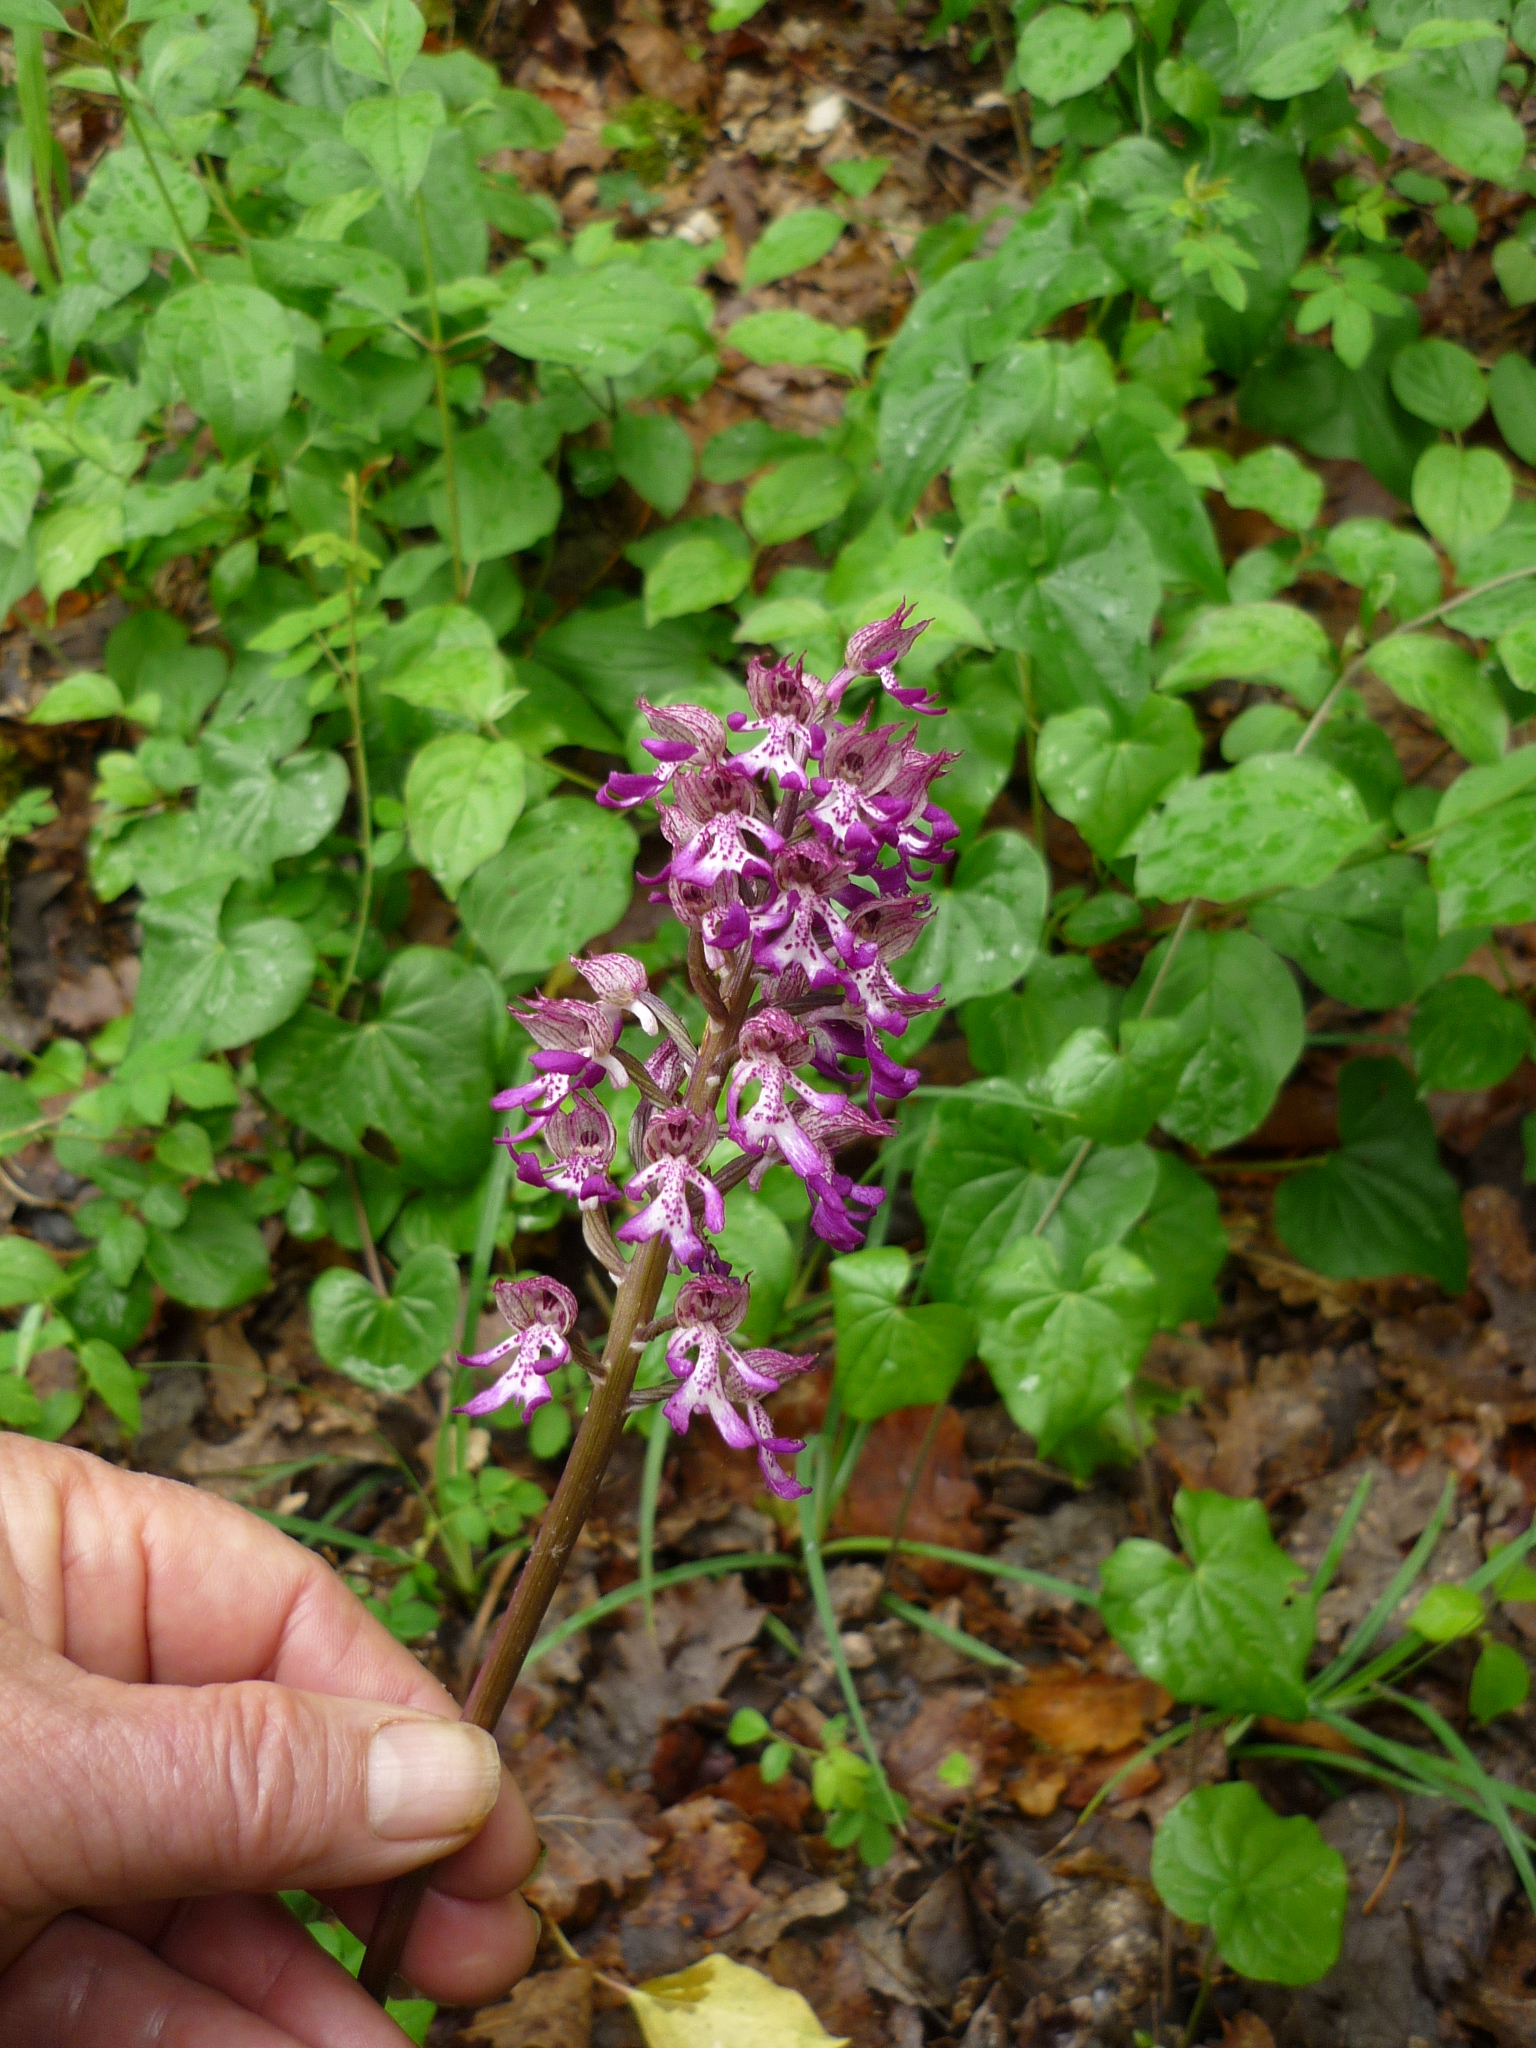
pixel 187 1700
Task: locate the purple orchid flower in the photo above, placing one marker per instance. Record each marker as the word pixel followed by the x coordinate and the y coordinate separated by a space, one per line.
pixel 709 822
pixel 539 1314
pixel 687 736
pixel 581 1141
pixel 576 1042
pixel 874 650
pixel 727 1384
pixel 677 1142
pixel 785 710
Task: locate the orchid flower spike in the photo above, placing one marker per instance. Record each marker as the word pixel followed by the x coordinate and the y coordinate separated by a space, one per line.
pixel 796 866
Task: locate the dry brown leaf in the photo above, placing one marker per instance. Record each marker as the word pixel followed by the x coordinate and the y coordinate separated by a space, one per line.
pixel 1081 1713
pixel 237 1377
pixel 1038 1787
pixel 944 1504
pixel 787 1800
pixel 552 2010
pixel 1094 1773
pixel 940 1936
pixel 819 1901
pixel 702 1633
pixel 827 1969
pixel 1246 2030
pixel 592 1845
pixel 958 1719
pixel 703 1882
pixel 1315 1734
pixel 657 60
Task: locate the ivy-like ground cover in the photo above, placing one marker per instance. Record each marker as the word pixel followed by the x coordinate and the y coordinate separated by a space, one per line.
pixel 292 335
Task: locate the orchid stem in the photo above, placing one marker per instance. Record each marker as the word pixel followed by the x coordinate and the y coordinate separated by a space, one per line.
pixel 566 1516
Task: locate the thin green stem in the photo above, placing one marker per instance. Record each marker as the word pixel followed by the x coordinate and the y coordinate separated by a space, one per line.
pixel 365 1232
pixel 497 1182
pixel 1002 49
pixel 1079 1158
pixel 32 91
pixel 816 1572
pixel 131 114
pixel 909 1491
pixel 1031 739
pixel 1181 932
pixel 444 410
pixel 851 1451
pixel 1197 2010
pixel 954 1638
pixel 1366 655
pixel 352 684
pixel 211 179
pixel 992 1567
pixel 650 1489
pixel 1063 1187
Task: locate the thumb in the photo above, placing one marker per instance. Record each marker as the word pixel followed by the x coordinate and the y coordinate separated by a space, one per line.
pixel 111 1793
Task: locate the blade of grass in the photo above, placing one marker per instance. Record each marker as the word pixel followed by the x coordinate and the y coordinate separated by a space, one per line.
pixel 1338 1543
pixel 32 92
pixel 21 199
pixel 1330 1759
pixel 956 1638
pixel 650 1488
pixel 1502 1561
pixel 1493 1793
pixel 343 1539
pixel 782 1634
pixel 853 1450
pixel 675 1575
pixel 995 1567
pixel 811 1510
pixel 1433 1774
pixel 1369 1629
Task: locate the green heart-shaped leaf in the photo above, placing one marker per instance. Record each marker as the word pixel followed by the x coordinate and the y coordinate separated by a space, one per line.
pixel 387 1344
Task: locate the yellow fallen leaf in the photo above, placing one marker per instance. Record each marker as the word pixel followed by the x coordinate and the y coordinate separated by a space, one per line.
pixel 720 2004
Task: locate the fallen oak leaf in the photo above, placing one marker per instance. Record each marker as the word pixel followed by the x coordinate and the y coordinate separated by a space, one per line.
pixel 592 1844
pixel 551 2010
pixel 703 1880
pixel 786 1801
pixel 1037 1789
pixel 1101 1775
pixel 715 2000
pixel 1080 1713
pixel 818 1901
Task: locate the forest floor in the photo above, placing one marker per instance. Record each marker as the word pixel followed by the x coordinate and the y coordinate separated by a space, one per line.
pixel 1003 1917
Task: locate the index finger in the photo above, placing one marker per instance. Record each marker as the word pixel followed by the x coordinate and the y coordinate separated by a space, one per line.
pixel 150 1581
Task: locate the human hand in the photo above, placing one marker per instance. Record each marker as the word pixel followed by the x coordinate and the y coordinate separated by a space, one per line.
pixel 196 1713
